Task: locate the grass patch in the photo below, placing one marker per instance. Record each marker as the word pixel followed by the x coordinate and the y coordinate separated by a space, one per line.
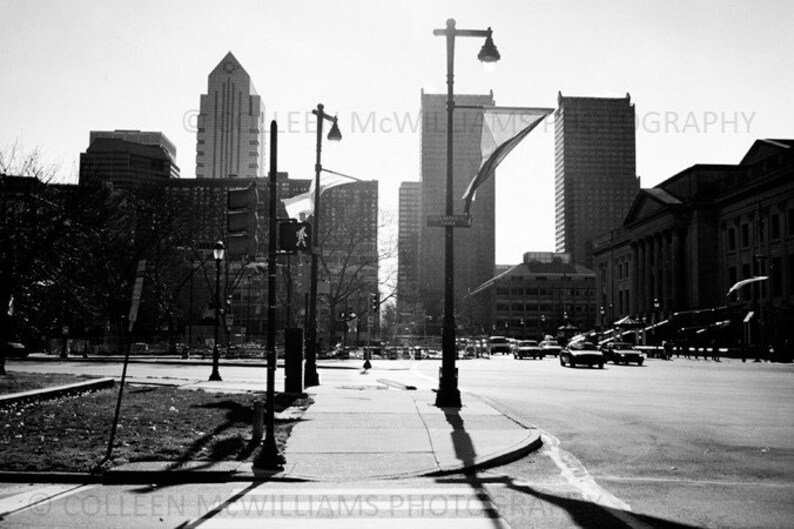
pixel 157 424
pixel 17 382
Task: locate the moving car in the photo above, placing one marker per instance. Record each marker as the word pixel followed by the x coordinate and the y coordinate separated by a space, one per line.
pixel 551 347
pixel 622 352
pixel 582 353
pixel 498 344
pixel 525 348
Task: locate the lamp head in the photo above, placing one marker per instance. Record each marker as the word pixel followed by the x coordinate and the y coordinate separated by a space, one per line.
pixel 334 134
pixel 489 53
pixel 218 250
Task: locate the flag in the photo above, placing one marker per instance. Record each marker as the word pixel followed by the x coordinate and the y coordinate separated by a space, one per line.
pixel 743 282
pixel 502 129
pixel 303 204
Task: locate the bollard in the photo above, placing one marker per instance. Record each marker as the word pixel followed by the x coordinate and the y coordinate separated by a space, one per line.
pixel 259 418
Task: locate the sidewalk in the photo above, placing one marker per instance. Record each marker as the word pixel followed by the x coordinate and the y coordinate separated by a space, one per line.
pixel 363 427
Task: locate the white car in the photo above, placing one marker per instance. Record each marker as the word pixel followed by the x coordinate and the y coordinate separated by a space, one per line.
pixel 551 347
pixel 525 348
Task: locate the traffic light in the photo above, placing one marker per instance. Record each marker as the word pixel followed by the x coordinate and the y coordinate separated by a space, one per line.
pixel 294 236
pixel 242 221
pixel 374 302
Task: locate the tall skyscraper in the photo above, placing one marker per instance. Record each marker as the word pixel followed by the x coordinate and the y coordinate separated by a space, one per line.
pixel 231 125
pixel 475 250
pixel 410 214
pixel 595 170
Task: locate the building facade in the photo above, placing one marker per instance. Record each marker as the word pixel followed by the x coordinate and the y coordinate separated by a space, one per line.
pixel 230 141
pixel 595 170
pixel 128 158
pixel 545 294
pixel 687 241
pixel 475 250
pixel 410 208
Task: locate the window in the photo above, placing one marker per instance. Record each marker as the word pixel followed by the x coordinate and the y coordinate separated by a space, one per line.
pixel 745 235
pixel 774 228
pixel 731 239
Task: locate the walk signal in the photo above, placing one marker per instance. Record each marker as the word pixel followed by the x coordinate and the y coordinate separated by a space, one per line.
pixel 242 221
pixel 294 237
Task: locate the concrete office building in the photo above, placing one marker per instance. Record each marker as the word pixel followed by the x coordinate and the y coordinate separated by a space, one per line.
pixel 595 170
pixel 410 213
pixel 128 158
pixel 538 296
pixel 230 141
pixel 475 246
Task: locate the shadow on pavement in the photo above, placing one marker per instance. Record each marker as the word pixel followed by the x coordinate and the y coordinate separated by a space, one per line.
pixel 465 451
pixel 584 513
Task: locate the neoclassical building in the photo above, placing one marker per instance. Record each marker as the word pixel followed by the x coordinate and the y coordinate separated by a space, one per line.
pixel 685 242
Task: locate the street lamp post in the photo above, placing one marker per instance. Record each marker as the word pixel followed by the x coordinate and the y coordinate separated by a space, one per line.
pixel 448 394
pixel 310 376
pixel 655 319
pixel 217 253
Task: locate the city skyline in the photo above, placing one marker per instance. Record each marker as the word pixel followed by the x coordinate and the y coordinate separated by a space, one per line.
pixel 707 80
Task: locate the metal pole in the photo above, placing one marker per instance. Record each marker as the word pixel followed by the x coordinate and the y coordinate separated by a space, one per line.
pixel 215 375
pixel 310 376
pixel 448 395
pixel 190 311
pixel 269 456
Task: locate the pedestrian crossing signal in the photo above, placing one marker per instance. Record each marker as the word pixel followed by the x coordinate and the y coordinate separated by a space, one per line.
pixel 294 237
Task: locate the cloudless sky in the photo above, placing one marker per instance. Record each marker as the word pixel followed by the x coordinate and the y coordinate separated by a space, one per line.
pixel 707 79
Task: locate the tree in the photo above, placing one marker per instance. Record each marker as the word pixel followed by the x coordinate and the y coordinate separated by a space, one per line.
pixel 45 229
pixel 350 256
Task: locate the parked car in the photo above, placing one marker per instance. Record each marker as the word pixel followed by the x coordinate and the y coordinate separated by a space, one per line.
pixel 525 348
pixel 551 347
pixel 622 352
pixel 498 344
pixel 582 353
pixel 15 350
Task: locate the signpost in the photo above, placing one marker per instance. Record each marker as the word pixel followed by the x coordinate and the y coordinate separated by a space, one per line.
pixel 445 221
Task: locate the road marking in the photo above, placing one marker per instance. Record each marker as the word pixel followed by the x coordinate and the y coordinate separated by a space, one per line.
pixel 696 481
pixel 37 497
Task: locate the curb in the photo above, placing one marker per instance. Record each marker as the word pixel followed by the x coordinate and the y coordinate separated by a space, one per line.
pixel 395 384
pixel 58 391
pixel 259 362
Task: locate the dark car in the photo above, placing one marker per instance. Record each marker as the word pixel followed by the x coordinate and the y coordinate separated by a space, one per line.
pixel 622 353
pixel 551 347
pixel 581 353
pixel 525 348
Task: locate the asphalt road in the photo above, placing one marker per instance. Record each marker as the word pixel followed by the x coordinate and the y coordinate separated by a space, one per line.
pixel 692 442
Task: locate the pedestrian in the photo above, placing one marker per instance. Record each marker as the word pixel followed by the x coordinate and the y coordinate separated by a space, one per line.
pixel 685 348
pixel 715 350
pixel 668 350
pixel 743 349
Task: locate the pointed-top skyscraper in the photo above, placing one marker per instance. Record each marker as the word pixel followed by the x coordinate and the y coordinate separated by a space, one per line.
pixel 231 125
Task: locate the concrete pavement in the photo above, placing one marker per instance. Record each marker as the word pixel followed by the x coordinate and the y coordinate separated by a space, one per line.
pixel 370 425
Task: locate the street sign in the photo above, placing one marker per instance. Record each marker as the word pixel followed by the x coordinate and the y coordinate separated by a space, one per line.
pixel 443 221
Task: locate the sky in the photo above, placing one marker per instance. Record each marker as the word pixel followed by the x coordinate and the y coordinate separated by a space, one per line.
pixel 707 79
